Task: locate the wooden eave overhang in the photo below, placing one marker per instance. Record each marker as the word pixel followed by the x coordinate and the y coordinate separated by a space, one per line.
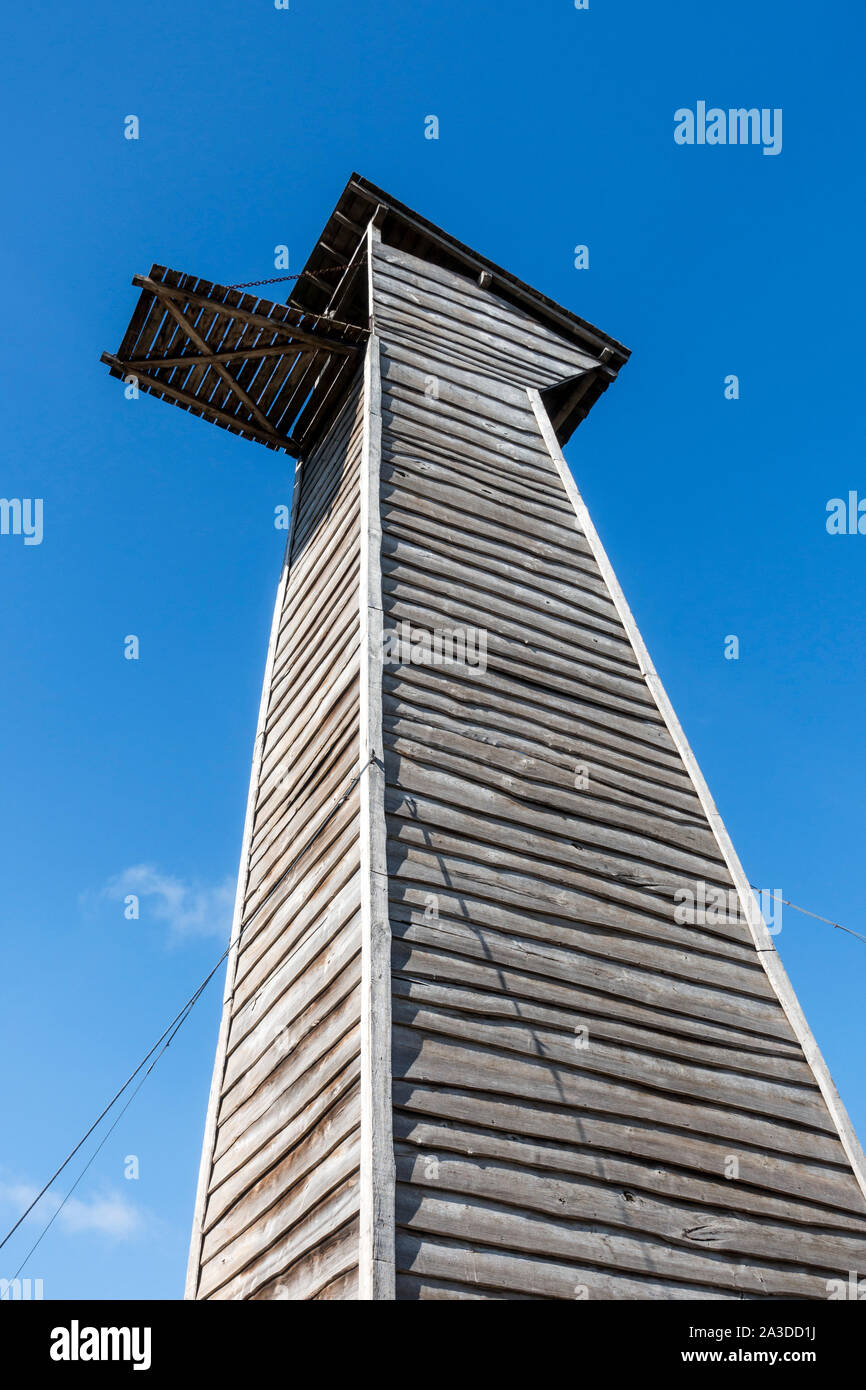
pixel 406 230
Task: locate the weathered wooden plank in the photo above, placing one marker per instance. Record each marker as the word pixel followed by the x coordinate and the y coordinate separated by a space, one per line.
pixel 314 996
pixel 276 955
pixel 527 654
pixel 571 943
pixel 602 1139
pixel 407 419
pixel 443 1269
pixel 502 409
pixel 443 556
pixel 331 671
pixel 511 786
pixel 607 775
pixel 445 1010
pixel 251 1212
pixel 265 1103
pixel 239 1272
pixel 300 760
pixel 517 481
pixel 448 342
pixel 280 818
pixel 520 994
pixel 237 1171
pixel 654 988
pixel 314 855
pixel 270 1134
pixel 449 1054
pixel 459 693
pixel 453 340
pixel 492 609
pixel 433 1137
pixel 447 285
pixel 481 868
pixel 443 304
pixel 318 1273
pixel 272 324
pixel 330 583
pixel 409 489
pixel 346 1286
pixel 509 1227
pixel 465 931
pixel 230 378
pixel 315 902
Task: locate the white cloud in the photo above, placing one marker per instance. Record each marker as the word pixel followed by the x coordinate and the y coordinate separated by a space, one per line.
pixel 111 1214
pixel 187 908
pixel 108 1213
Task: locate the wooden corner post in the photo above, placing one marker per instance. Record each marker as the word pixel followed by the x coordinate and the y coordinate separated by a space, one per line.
pixel 377 1148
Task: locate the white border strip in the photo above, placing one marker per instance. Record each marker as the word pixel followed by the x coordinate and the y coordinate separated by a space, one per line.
pixel 210 1128
pixel 772 963
pixel 376 1259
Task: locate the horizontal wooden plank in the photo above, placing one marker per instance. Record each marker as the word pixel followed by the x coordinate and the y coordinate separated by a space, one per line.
pixel 517 585
pixel 619 900
pixel 507 1228
pixel 466 931
pixel 432 1136
pixel 646 744
pixel 607 776
pixel 444 1269
pixel 445 1053
pixel 680 1225
pixel 321 921
pixel 407 488
pixel 433 1009
pixel 507 789
pixel 432 290
pixel 524 994
pixel 327 987
pixel 609 1139
pixel 316 912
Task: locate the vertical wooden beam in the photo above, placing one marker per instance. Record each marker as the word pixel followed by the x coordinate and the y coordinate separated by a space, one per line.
pixel 210 1129
pixel 377 1143
pixel 764 946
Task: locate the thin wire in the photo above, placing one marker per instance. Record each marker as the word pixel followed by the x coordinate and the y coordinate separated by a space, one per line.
pixel 102 1141
pixel 108 1134
pixel 178 1018
pixel 177 1022
pixel 807 913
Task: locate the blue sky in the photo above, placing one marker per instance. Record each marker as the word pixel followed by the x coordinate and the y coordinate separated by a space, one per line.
pixel 556 129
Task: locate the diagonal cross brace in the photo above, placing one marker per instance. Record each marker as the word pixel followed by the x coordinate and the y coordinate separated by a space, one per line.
pixel 171 292
pixel 221 370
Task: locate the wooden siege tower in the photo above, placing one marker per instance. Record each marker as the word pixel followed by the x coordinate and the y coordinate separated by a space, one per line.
pixel 469 1047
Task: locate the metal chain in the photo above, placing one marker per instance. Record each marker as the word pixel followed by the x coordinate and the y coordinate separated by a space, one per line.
pixel 307 313
pixel 277 279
